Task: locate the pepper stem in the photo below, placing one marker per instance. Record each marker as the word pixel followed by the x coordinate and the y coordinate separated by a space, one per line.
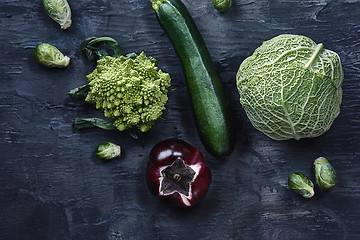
pixel 177 177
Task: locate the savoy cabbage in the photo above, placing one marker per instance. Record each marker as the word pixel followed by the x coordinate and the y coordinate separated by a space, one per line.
pixel 291 87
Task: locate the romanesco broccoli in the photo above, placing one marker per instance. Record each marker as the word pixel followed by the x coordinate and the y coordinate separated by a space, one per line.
pixel 131 91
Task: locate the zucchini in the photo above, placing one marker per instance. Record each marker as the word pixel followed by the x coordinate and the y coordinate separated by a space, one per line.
pixel 209 102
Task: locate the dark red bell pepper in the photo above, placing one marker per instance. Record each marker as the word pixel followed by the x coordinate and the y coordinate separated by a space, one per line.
pixel 177 172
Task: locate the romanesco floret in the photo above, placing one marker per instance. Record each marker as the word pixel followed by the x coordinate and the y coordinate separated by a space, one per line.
pixel 131 91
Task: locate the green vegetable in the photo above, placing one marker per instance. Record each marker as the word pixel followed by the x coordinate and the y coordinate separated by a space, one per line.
pixel 49 56
pixel 301 184
pixel 59 11
pixel 291 87
pixel 130 90
pixel 221 5
pixel 107 151
pixel 210 104
pixel 325 174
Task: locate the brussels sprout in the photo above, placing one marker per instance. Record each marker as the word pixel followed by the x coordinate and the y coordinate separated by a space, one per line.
pixel 50 56
pixel 301 184
pixel 107 151
pixel 221 5
pixel 59 11
pixel 325 174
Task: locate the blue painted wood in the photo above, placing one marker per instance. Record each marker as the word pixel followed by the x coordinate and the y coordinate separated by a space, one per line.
pixel 52 186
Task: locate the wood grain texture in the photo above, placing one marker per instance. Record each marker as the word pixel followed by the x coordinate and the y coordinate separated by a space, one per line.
pixel 52 186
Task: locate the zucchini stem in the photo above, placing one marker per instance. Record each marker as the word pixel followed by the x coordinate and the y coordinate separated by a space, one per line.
pixel 157 3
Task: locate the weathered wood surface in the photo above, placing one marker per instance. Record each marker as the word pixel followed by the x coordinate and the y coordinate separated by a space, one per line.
pixel 52 186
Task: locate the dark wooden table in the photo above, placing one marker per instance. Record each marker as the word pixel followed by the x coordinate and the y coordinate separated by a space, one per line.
pixel 52 186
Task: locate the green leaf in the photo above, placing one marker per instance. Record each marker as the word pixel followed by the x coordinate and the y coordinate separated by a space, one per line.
pixel 101 53
pixel 81 123
pixel 93 48
pixel 84 44
pixel 162 117
pixel 77 93
pixel 153 60
pixel 133 134
pixel 131 55
pixel 138 135
pixel 134 55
